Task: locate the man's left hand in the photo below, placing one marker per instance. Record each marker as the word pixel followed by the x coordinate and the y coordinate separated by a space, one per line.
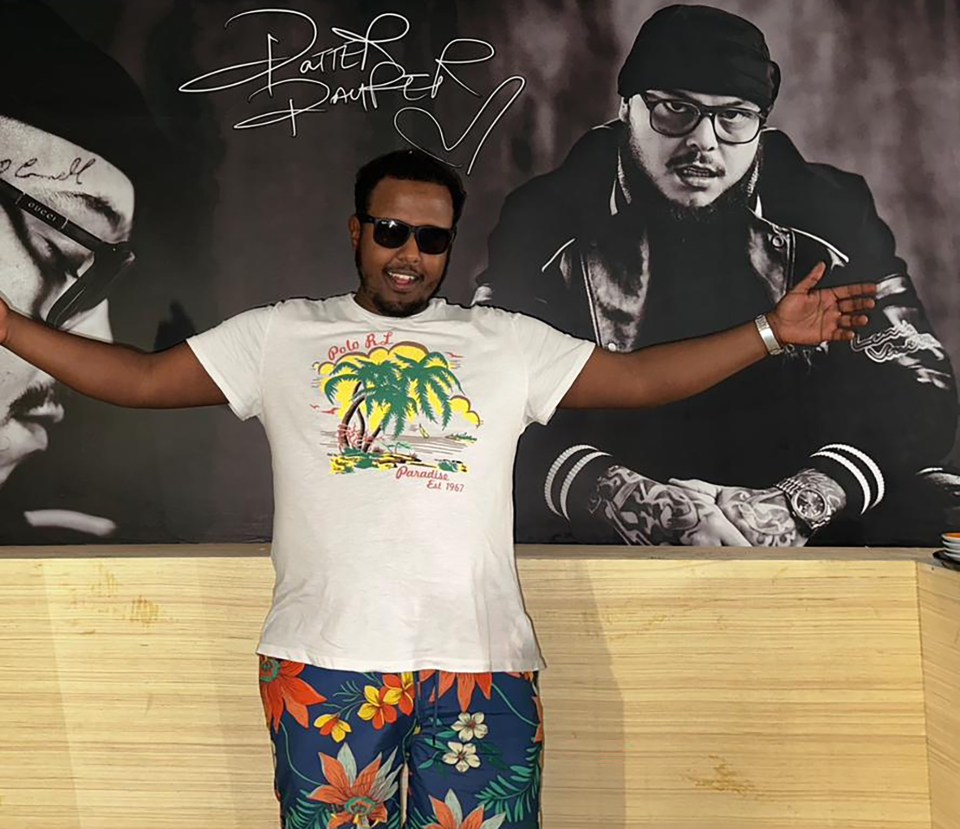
pixel 761 515
pixel 808 315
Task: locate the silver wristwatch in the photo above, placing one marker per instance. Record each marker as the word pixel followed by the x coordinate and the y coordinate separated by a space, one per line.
pixel 809 506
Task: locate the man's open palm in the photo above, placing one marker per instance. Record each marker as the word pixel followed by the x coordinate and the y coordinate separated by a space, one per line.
pixel 808 315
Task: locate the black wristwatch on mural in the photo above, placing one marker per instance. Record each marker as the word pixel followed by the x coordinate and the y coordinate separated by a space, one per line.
pixel 809 506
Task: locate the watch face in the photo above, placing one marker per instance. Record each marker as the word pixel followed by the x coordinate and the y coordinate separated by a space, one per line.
pixel 810 504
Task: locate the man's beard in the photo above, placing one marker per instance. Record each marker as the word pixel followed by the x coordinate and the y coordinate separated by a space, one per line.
pixel 396 309
pixel 730 204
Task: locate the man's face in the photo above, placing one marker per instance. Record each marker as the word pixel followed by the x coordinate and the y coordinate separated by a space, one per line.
pixel 37 264
pixel 691 170
pixel 398 282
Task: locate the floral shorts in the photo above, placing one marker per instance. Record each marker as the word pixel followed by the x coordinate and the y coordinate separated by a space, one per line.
pixel 470 746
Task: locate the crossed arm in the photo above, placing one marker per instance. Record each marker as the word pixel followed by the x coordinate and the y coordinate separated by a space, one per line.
pixel 645 511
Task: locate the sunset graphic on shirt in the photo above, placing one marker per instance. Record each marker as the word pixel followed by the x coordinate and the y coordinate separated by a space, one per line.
pixel 397 406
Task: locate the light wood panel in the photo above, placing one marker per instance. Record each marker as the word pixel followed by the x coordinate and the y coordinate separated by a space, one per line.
pixel 732 694
pixel 682 693
pixel 940 639
pixel 36 779
pixel 160 691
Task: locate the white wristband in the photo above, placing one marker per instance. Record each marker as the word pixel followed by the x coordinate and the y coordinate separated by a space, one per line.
pixel 572 474
pixel 555 468
pixel 767 335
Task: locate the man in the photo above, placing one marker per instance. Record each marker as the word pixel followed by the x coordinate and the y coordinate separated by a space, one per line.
pixel 393 418
pixel 676 219
pixel 74 132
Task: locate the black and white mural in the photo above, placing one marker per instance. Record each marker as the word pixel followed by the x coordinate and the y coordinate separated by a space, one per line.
pixel 635 175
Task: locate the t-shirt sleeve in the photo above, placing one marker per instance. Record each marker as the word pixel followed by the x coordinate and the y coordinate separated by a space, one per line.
pixel 552 361
pixel 232 354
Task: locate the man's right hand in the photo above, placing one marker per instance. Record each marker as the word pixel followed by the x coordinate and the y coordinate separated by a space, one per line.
pixel 644 511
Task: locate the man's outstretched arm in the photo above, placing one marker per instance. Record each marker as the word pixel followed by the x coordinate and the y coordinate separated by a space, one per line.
pixel 665 373
pixel 113 373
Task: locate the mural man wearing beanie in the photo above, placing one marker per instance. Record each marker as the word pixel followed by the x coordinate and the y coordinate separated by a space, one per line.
pixel 678 218
pixel 75 134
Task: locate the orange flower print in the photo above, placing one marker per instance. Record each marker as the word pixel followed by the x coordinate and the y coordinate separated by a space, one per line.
pixel 527 675
pixel 332 725
pixel 359 799
pixel 376 708
pixel 281 688
pixel 449 815
pixel 401 691
pixel 466 684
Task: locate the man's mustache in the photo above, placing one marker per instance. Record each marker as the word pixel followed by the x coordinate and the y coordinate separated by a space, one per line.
pixel 691 157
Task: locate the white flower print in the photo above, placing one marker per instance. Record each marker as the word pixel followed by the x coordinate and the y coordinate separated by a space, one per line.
pixel 462 757
pixel 471 726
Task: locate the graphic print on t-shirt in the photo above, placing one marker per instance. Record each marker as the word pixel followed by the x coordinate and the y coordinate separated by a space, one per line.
pixel 395 406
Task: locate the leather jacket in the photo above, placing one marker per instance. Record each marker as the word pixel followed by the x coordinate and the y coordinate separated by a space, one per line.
pixel 871 414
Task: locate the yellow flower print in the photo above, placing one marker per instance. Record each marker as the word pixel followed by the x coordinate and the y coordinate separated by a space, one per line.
pixel 376 708
pixel 332 725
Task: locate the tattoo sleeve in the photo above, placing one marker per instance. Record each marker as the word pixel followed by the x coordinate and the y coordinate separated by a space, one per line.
pixel 764 515
pixel 644 511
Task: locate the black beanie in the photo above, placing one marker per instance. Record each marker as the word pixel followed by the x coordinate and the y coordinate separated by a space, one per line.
pixel 55 80
pixel 701 49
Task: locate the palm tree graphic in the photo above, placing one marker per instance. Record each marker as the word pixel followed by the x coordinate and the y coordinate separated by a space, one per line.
pixel 430 376
pixel 401 388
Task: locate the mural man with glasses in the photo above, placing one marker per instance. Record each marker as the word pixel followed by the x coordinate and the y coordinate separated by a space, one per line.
pixel 678 218
pixel 69 145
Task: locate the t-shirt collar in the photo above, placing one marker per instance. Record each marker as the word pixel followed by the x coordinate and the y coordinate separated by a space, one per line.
pixel 354 310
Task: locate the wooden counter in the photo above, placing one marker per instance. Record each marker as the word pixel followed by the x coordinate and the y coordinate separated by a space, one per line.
pixel 687 688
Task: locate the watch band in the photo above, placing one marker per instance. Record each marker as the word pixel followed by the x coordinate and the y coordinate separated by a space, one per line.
pixel 793 489
pixel 766 334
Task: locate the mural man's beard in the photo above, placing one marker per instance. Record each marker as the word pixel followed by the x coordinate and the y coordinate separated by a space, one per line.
pixel 655 205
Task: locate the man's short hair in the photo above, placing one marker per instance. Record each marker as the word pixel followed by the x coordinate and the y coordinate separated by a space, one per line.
pixel 701 49
pixel 407 165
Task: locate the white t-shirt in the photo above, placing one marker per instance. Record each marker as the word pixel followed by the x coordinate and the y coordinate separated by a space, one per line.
pixel 393 440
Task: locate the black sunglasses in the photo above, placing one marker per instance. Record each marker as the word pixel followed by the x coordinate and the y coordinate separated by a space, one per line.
pixel 392 233
pixel 93 285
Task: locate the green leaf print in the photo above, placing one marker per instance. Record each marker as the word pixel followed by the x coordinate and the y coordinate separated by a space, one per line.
pixel 346 701
pixel 394 820
pixel 491 754
pixel 515 795
pixel 308 814
pixel 418 820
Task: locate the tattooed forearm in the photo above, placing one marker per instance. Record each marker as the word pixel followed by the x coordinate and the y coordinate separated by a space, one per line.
pixel 644 511
pixel 762 515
